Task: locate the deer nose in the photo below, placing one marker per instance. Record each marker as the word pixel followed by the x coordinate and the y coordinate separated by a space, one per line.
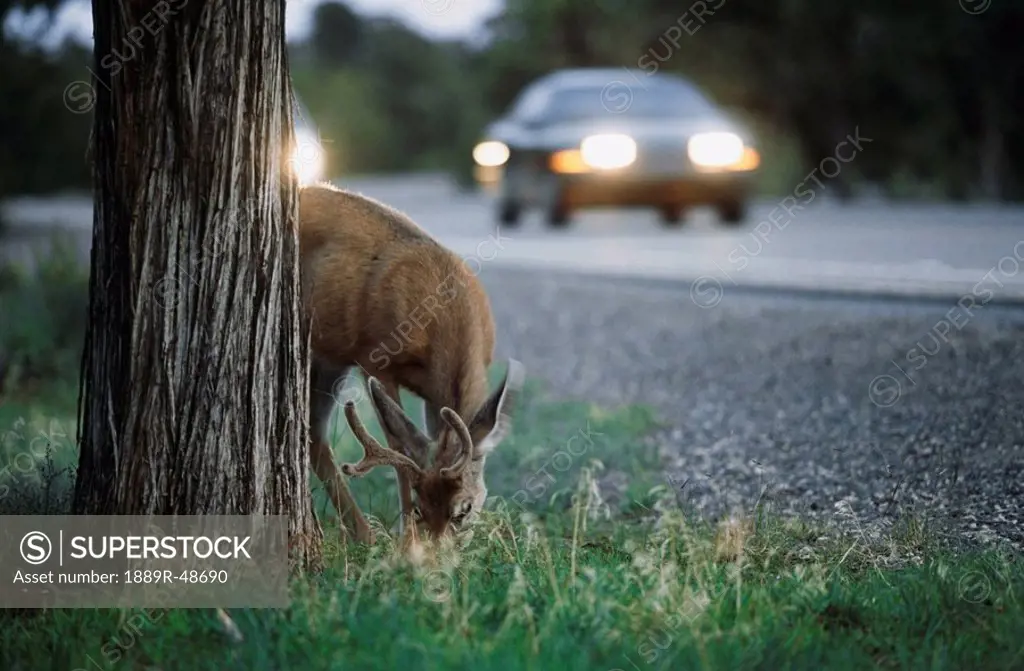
pixel 441 529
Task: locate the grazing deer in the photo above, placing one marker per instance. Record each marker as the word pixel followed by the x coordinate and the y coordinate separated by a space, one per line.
pixel 383 295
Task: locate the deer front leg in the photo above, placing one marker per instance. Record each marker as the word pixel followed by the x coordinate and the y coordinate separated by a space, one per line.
pixel 431 419
pixel 404 487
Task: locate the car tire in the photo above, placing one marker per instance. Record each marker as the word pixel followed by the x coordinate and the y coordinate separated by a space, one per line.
pixel 671 215
pixel 509 214
pixel 559 216
pixel 558 212
pixel 732 213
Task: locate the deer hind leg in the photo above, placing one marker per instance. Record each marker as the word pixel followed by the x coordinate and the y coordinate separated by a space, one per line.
pixel 321 404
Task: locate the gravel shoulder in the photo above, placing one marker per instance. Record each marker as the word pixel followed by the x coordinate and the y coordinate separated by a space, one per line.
pixel 787 399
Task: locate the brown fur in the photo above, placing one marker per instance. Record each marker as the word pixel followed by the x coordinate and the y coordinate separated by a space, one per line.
pixel 383 295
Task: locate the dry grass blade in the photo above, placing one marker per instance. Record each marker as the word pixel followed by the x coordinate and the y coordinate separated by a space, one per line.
pixel 230 628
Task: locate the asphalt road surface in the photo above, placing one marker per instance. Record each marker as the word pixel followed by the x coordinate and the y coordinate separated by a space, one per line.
pixel 916 250
pixel 781 365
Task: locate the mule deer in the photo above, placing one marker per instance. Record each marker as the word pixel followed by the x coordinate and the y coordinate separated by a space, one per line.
pixel 367 270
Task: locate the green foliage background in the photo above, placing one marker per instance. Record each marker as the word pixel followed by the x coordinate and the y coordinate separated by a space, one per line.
pixel 937 88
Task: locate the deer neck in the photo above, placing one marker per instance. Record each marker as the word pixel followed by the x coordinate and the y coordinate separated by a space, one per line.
pixel 464 389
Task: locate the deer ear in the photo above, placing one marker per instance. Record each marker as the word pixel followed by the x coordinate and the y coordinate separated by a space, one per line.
pixel 395 422
pixel 493 420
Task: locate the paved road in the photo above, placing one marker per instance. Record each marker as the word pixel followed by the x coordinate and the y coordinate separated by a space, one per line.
pixel 930 250
pixel 936 251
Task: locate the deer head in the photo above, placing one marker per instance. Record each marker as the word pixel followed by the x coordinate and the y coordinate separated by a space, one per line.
pixel 450 490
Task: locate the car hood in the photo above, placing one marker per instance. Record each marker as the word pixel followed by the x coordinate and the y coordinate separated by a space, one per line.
pixel 643 130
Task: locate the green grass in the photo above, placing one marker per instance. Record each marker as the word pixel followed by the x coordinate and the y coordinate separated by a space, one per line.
pixel 567 580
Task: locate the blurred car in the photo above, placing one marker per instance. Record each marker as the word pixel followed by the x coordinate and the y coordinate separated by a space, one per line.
pixel 598 137
pixel 307 157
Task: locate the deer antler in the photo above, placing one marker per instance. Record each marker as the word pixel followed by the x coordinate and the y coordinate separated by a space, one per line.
pixel 375 454
pixel 452 419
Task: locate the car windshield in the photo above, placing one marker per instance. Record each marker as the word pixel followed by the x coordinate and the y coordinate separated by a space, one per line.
pixel 632 100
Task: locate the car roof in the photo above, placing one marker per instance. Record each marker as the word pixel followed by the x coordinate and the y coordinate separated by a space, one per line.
pixel 538 94
pixel 587 77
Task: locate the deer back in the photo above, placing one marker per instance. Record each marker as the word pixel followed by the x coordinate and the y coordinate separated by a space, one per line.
pixel 382 293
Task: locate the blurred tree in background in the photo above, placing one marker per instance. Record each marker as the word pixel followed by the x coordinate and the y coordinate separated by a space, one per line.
pixel 42 144
pixel 391 100
pixel 938 89
pixel 337 34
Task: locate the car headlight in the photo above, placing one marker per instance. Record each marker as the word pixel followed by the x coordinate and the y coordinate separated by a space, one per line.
pixel 715 150
pixel 490 154
pixel 307 158
pixel 608 151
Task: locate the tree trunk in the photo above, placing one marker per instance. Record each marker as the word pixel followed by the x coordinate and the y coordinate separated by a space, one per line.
pixel 195 369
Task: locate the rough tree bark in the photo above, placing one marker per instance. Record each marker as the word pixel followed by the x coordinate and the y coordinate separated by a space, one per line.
pixel 194 374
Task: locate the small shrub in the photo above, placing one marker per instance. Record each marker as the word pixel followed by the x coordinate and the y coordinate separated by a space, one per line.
pixel 44 318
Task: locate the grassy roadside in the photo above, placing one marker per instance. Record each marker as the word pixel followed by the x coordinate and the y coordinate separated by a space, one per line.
pixel 583 561
pixel 563 579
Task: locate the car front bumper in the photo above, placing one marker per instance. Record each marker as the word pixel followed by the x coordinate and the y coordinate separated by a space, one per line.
pixel 531 179
pixel 602 190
